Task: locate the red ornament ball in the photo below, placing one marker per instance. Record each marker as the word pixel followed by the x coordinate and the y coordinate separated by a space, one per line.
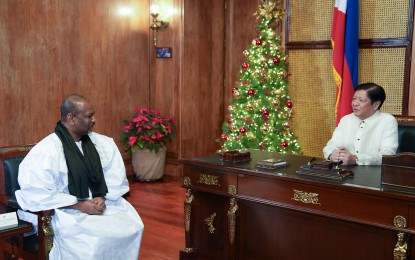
pixel 263 80
pixel 245 66
pixel 267 92
pixel 258 42
pixel 265 112
pixel 284 144
pixel 251 92
pixel 242 130
pixel 289 104
pixel 276 60
pixel 223 137
pixel 262 145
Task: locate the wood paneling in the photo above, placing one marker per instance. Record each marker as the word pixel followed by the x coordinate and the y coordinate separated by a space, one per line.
pixel 201 93
pixel 52 48
pixel 165 76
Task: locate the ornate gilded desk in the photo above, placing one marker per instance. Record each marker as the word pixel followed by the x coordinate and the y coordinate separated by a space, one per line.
pixel 236 211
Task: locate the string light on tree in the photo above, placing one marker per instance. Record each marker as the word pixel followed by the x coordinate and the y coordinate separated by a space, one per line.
pixel 261 109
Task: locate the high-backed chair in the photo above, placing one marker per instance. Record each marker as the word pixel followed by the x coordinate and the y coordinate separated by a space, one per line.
pixel 406 134
pixel 35 246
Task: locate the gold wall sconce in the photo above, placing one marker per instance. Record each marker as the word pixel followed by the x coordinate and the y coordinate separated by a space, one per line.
pixel 157 24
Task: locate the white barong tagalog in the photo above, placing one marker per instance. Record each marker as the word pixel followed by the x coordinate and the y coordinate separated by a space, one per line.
pixel 43 179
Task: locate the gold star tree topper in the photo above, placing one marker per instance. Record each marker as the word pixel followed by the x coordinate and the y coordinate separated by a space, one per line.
pixel 270 9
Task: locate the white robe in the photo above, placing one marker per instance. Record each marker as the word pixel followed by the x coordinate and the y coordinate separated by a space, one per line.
pixel 43 179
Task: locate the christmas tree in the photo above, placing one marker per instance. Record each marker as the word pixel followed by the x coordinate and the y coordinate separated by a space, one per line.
pixel 261 109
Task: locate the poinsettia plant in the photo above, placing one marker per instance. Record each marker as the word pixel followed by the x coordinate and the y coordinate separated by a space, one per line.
pixel 148 129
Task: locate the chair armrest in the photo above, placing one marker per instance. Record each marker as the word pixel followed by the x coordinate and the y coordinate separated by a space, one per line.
pixel 4 199
pixel 9 201
pixel 45 232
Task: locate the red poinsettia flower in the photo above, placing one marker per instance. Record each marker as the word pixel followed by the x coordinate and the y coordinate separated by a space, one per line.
pixel 148 129
pixel 132 140
pixel 127 128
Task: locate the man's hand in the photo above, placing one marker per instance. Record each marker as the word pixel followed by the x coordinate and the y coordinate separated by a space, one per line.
pixel 343 155
pixel 100 202
pixel 95 206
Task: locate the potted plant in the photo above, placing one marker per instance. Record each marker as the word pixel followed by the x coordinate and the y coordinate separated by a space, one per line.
pixel 146 135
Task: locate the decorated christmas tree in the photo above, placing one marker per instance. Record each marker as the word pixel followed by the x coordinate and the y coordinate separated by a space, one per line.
pixel 261 109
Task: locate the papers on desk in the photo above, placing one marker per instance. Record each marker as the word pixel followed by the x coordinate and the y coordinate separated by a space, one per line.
pixel 8 220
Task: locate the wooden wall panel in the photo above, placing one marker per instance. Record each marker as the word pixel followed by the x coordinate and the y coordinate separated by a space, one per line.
pixel 52 48
pixel 189 86
pixel 240 31
pixel 201 95
pixel 165 72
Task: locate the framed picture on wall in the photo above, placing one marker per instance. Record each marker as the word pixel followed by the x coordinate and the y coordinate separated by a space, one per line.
pixel 163 52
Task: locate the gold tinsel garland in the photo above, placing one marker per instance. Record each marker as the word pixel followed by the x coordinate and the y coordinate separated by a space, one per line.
pixel 270 9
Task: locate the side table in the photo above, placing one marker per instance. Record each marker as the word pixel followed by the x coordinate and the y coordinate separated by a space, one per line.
pixel 21 228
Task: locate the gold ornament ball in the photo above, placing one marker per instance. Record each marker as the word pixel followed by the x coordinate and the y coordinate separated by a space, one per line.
pixel 278 92
pixel 265 128
pixel 250 105
pixel 275 102
pixel 271 34
pixel 236 94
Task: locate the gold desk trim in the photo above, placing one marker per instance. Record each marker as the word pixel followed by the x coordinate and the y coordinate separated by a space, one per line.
pixel 306 197
pixel 209 222
pixel 400 252
pixel 233 209
pixel 188 209
pixel 209 179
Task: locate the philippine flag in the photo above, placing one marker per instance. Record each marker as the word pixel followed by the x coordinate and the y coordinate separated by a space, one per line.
pixel 345 43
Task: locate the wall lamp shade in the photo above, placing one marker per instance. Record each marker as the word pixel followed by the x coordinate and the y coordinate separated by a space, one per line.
pixel 157 24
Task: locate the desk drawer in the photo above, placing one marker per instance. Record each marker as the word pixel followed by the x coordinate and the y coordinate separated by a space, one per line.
pixel 210 180
pixel 341 204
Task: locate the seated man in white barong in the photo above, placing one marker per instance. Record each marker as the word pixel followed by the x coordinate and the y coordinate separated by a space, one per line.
pixel 81 175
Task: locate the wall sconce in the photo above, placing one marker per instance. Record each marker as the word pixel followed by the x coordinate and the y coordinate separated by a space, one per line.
pixel 157 24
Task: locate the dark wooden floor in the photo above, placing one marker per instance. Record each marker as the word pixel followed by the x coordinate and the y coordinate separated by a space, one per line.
pixel 160 206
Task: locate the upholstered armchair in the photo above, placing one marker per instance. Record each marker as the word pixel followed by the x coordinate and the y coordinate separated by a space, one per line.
pixel 35 246
pixel 406 134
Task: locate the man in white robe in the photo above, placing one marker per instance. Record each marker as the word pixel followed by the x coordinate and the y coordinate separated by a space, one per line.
pixel 95 227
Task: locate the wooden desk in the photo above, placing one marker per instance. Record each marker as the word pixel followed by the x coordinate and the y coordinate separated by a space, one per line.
pixel 235 211
pixel 21 228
